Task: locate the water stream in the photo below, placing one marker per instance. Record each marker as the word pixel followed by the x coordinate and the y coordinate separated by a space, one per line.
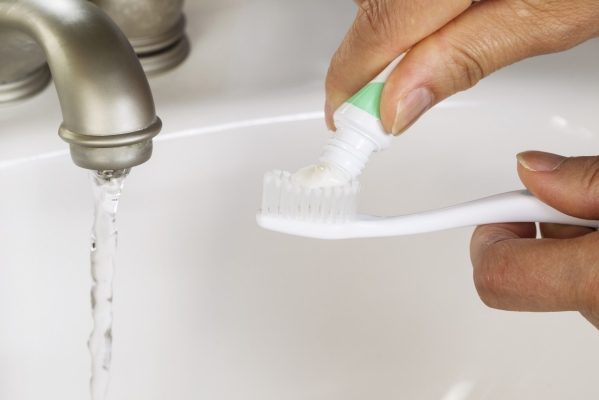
pixel 107 187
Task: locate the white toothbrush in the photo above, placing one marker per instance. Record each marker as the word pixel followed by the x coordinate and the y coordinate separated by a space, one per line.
pixel 329 213
pixel 295 204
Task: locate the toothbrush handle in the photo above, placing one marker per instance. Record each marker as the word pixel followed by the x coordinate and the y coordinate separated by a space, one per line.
pixel 516 206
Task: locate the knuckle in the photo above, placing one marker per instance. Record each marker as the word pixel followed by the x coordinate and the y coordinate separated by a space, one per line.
pixel 588 282
pixel 590 177
pixel 485 284
pixel 491 274
pixel 375 23
pixel 589 296
pixel 464 60
pixel 555 25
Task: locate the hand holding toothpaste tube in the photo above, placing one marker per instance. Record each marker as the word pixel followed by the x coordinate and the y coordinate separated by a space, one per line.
pixel 454 44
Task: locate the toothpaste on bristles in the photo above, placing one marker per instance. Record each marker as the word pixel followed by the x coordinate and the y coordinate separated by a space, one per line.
pixel 283 196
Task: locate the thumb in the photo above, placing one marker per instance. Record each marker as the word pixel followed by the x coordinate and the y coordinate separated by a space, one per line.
pixel 570 185
pixel 382 30
pixel 486 37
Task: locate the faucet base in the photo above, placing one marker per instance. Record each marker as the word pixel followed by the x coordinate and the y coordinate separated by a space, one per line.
pixel 111 158
pixel 111 152
pixel 162 52
pixel 156 43
pixel 28 86
pixel 166 59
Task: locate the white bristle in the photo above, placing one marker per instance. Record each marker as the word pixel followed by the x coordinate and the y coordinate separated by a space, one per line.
pixel 305 203
pixel 283 197
pixel 266 194
pixel 337 193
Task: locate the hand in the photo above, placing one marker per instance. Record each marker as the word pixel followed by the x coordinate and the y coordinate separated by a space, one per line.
pixel 514 271
pixel 454 45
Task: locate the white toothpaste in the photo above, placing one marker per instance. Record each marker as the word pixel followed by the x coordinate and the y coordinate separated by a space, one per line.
pixel 360 132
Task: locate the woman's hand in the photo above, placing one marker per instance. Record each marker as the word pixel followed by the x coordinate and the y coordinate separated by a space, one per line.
pixel 514 271
pixel 454 45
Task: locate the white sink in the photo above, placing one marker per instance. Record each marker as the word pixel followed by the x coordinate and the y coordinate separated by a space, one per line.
pixel 209 306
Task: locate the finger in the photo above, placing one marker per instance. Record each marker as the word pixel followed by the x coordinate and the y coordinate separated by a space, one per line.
pixel 484 38
pixel 570 185
pixel 382 30
pixel 558 231
pixel 513 271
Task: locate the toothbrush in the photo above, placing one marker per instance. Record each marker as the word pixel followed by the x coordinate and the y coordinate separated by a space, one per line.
pixel 329 213
pixel 321 201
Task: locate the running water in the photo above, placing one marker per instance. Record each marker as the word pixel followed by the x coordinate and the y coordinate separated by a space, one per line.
pixel 107 187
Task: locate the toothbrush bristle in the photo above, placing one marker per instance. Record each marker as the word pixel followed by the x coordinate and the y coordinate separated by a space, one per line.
pixel 283 197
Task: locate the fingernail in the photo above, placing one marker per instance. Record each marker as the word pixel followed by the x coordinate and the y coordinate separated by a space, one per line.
pixel 538 161
pixel 410 108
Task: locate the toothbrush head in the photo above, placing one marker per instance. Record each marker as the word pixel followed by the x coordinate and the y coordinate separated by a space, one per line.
pixel 284 197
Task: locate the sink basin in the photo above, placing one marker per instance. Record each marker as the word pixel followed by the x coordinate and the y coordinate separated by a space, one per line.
pixel 209 306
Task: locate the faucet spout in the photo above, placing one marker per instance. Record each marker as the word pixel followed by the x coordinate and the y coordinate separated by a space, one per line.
pixel 109 118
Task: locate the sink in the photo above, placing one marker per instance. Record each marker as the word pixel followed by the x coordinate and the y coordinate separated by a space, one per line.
pixel 209 306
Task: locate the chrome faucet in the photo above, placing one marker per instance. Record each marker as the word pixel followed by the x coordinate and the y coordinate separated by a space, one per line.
pixel 108 111
pixel 155 29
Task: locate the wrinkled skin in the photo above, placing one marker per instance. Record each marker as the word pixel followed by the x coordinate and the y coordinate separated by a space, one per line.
pixel 454 44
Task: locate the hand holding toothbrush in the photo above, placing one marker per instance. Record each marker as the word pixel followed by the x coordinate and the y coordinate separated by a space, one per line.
pixel 514 271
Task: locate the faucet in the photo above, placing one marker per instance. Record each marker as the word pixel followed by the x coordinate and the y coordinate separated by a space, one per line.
pixel 155 29
pixel 108 111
